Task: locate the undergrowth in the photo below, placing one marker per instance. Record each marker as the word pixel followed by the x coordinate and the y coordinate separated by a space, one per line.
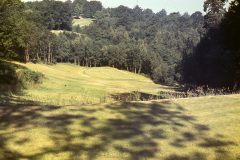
pixel 14 78
pixel 28 78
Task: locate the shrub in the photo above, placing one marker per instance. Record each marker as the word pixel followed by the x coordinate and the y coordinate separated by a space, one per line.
pixel 28 78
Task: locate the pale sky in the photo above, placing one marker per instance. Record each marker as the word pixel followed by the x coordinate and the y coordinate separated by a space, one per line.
pixel 170 6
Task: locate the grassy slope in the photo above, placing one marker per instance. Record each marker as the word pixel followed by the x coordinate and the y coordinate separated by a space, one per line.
pixel 71 84
pixel 199 128
pixel 82 22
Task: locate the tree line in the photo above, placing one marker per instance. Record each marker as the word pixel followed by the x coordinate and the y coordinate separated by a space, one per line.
pixel 188 49
pixel 215 60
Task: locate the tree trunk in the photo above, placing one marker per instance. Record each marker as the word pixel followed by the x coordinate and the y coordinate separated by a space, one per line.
pixel 37 56
pixel 40 54
pixel 113 64
pixel 139 70
pixel 49 54
pixel 95 64
pixel 75 60
pixel 78 61
pixel 51 58
pixel 235 87
pixel 127 67
pixel 45 55
pixel 26 57
pixel 135 70
pixel 90 63
pixel 61 59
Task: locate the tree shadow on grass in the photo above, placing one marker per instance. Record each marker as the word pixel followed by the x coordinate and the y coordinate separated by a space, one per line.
pixel 134 130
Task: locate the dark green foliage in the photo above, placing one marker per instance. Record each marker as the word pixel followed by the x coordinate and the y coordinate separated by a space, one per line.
pixel 90 8
pixel 215 60
pixel 124 21
pixel 55 14
pixel 197 18
pixel 77 7
pixel 120 11
pixel 34 16
pixel 77 29
pixel 7 74
pixel 162 13
pixel 29 5
pixel 13 34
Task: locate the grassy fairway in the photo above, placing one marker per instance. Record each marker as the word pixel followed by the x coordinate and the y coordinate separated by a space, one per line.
pixel 69 84
pixel 82 22
pixel 198 128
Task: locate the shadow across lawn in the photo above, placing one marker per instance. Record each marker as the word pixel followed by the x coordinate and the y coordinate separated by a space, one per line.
pixel 133 130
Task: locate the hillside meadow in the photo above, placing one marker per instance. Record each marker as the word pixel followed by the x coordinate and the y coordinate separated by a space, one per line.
pixel 68 84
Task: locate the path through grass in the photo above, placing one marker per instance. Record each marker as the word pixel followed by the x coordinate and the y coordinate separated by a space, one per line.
pixel 198 128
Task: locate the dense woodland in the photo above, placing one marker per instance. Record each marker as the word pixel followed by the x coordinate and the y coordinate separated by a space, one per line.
pixel 191 49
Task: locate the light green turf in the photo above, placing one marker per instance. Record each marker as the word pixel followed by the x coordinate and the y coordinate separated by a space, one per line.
pixel 68 84
pixel 57 32
pixel 198 128
pixel 82 22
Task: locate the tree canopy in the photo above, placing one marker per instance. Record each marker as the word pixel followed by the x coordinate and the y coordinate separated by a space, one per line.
pixel 188 49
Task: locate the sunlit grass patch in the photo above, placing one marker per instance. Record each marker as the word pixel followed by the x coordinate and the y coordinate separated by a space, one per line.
pixel 57 32
pixel 82 22
pixel 109 73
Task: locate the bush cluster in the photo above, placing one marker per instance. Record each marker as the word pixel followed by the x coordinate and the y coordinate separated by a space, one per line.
pixel 28 78
pixel 7 74
pixel 24 78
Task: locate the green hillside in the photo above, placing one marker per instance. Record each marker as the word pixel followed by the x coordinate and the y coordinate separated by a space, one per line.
pixel 68 84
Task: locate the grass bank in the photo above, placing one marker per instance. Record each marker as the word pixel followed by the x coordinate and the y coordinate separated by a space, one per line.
pixel 69 84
